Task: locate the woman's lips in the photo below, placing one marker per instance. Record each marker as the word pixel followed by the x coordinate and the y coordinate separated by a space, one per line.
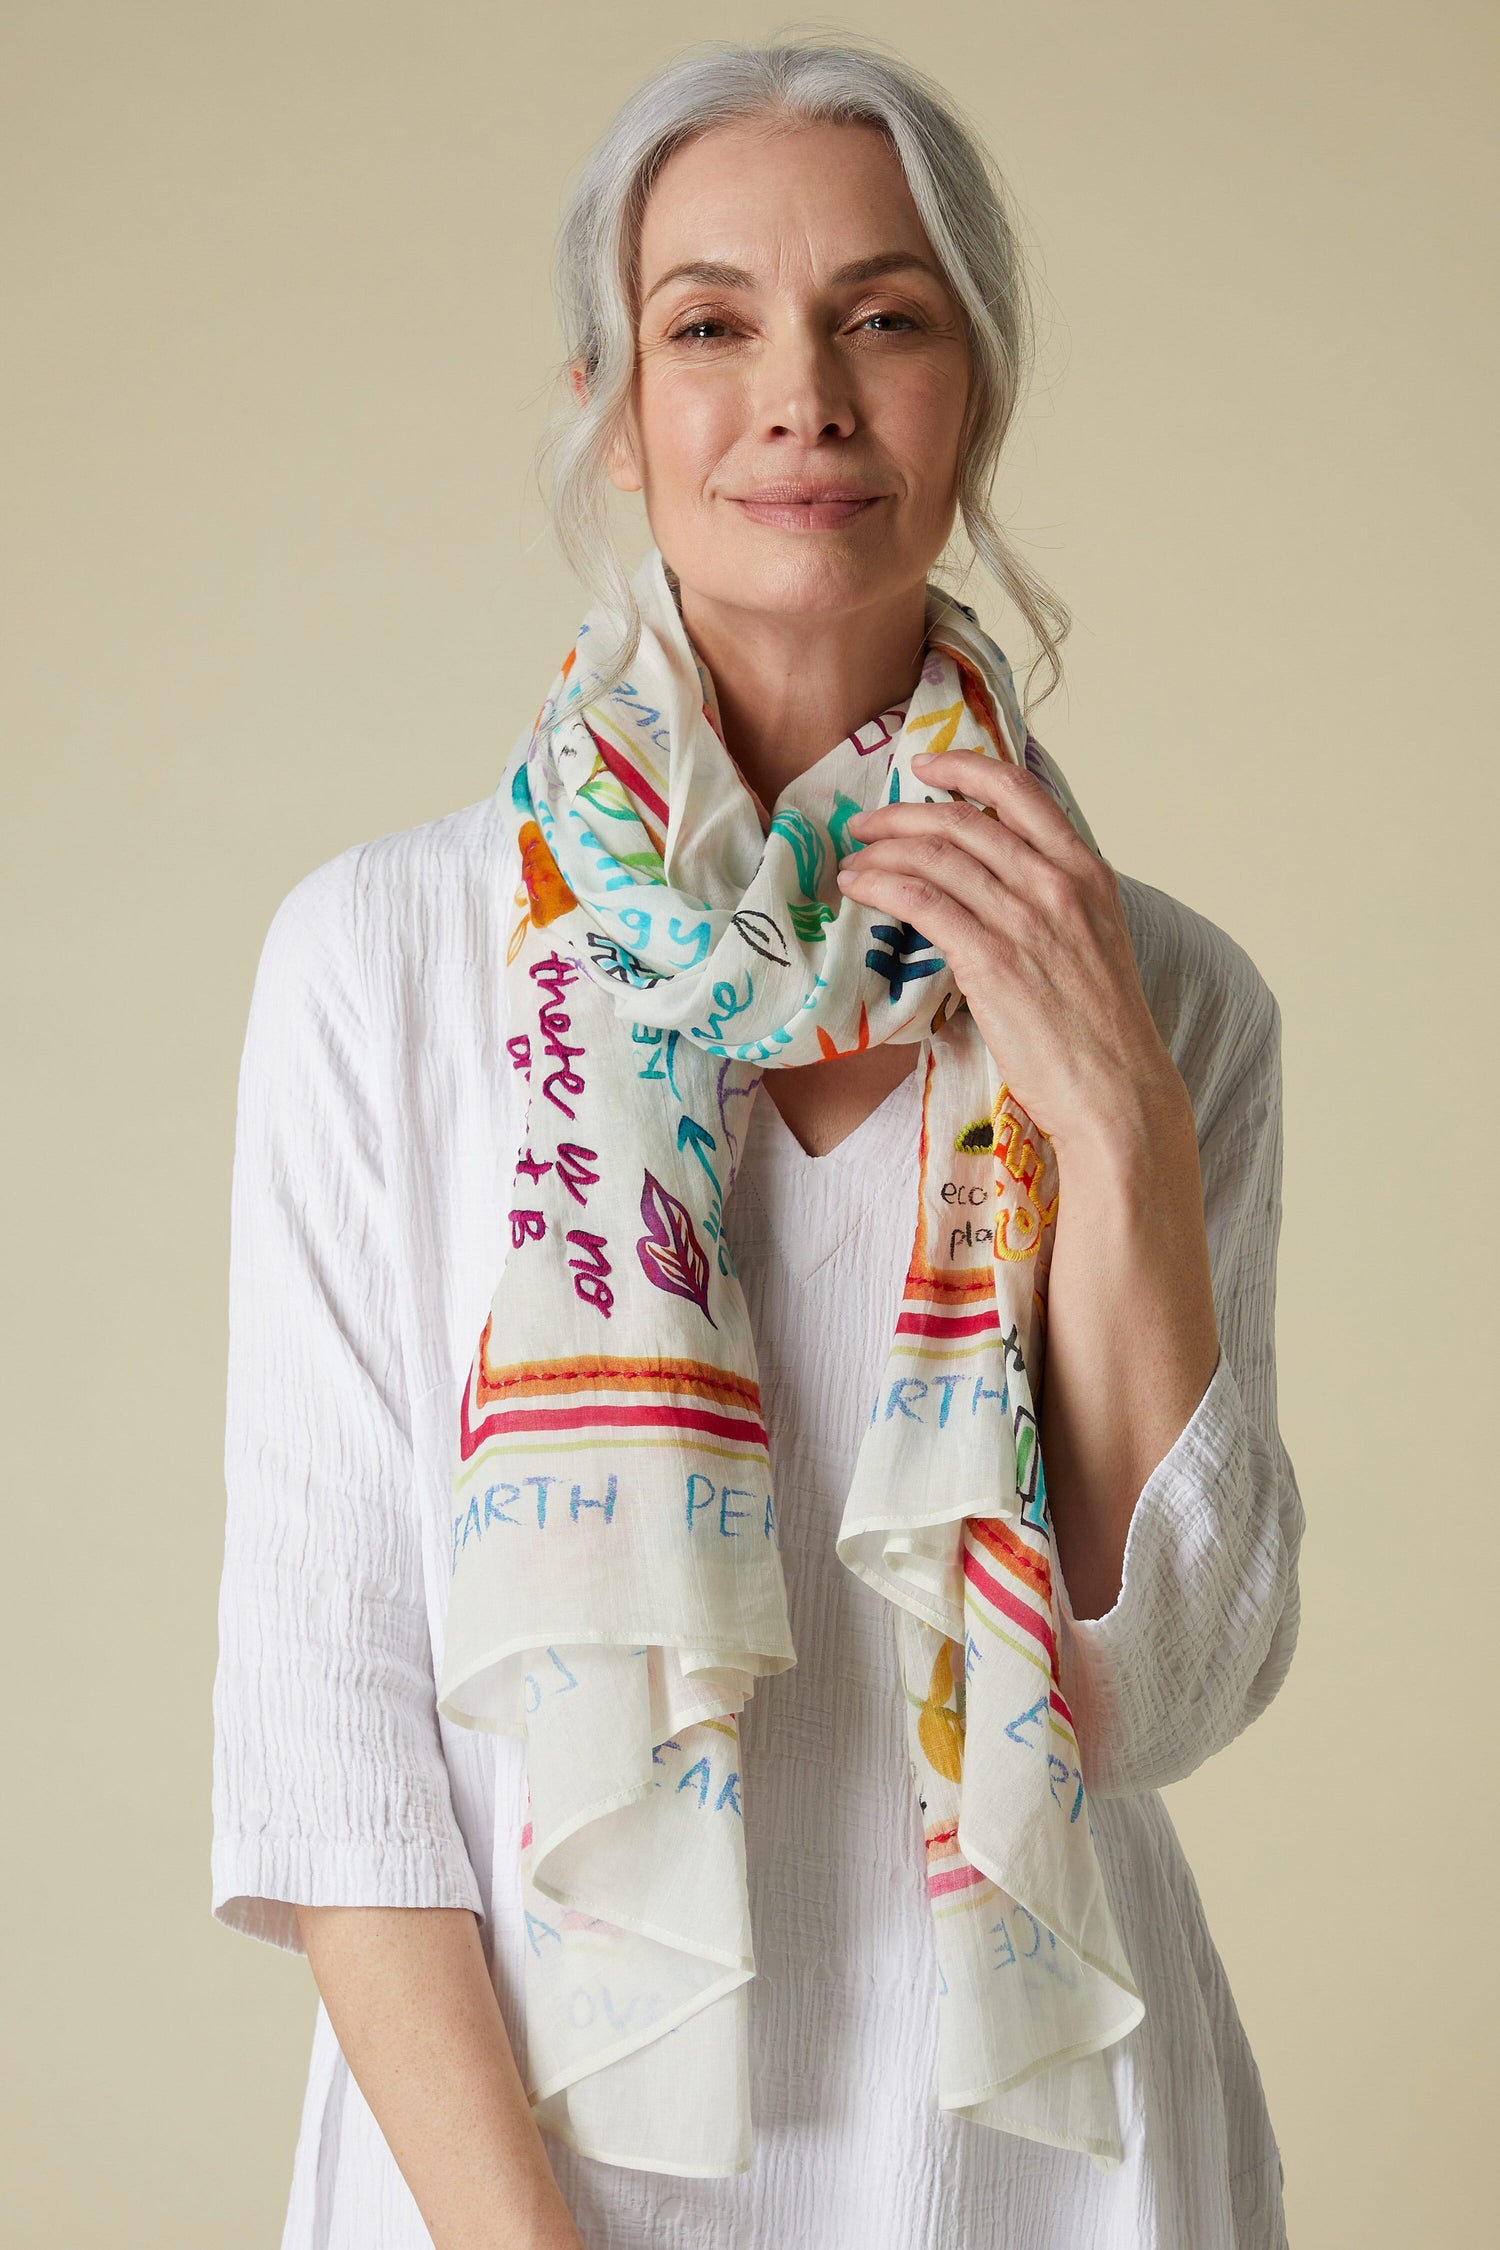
pixel 809 510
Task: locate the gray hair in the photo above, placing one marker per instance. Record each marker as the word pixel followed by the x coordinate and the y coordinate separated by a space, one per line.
pixel 961 200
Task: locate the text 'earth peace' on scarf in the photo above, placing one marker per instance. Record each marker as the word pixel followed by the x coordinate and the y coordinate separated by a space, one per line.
pixel 616 1584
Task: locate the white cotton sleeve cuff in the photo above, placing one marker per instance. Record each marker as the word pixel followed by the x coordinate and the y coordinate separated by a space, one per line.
pixel 257 1882
pixel 1168 1674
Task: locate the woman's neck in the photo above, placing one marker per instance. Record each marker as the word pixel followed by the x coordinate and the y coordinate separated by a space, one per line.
pixel 789 688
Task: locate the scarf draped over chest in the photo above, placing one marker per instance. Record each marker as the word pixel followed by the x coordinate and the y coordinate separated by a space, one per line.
pixel 617 1590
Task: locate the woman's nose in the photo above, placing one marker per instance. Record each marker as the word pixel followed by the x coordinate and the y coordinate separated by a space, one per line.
pixel 803 391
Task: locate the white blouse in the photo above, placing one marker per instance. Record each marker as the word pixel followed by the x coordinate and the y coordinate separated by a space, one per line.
pixel 378 1124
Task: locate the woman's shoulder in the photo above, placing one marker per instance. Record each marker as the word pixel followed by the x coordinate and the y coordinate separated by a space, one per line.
pixel 1214 1009
pixel 408 903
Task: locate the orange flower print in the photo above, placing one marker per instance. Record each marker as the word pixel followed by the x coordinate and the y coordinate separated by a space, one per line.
pixel 546 885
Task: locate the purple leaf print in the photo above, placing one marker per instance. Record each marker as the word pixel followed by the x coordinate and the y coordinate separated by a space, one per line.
pixel 669 1250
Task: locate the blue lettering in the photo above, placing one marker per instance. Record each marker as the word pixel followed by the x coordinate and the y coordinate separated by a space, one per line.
pixel 541 1484
pixel 902 1384
pixel 1034 1716
pixel 697 937
pixel 534 1686
pixel 580 1500
pixel 463 1523
pixel 620 879
pixel 702 1493
pixel 570 1679
pixel 536 1927
pixel 494 1511
pixel 729 1493
pixel 700 1769
pixel 697 1477
pixel 946 1383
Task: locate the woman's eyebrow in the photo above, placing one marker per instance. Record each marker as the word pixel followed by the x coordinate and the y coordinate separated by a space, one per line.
pixel 887 261
pixel 735 277
pixel 714 277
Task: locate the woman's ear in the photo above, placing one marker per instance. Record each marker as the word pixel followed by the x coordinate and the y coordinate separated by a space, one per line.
pixel 624 471
pixel 622 465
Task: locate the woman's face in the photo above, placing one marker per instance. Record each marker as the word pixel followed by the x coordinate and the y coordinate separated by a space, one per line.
pixel 802 373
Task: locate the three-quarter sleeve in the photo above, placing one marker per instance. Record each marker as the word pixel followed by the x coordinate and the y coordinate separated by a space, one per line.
pixel 329 1781
pixel 1202 1632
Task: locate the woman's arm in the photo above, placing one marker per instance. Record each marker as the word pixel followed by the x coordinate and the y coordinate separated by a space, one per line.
pixel 1131 1334
pixel 1202 1632
pixel 1162 1286
pixel 329 1781
pixel 409 1996
pixel 334 1830
pixel 1033 923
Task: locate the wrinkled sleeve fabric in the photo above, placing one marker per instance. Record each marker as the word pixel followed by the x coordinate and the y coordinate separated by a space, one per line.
pixel 1203 1630
pixel 329 1781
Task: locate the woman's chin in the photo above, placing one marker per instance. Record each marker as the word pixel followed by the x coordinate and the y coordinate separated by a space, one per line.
pixel 796 574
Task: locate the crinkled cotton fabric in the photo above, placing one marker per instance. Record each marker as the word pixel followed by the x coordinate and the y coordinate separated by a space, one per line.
pixel 618 1590
pixel 378 1109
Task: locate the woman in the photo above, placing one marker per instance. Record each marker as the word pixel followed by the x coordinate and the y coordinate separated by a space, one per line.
pixel 758 1383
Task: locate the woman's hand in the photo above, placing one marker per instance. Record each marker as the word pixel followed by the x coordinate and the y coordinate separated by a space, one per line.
pixel 1029 919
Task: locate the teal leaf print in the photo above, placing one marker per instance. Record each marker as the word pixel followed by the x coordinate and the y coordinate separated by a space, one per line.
pixel 844 809
pixel 808 917
pixel 808 848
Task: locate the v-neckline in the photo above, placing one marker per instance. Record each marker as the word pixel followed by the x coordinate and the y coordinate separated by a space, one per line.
pixel 805 1157
pixel 791 1189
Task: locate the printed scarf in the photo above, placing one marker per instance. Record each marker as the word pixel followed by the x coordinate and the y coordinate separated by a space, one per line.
pixel 617 1587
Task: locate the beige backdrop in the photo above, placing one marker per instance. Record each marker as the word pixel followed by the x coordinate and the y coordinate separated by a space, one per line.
pixel 277 337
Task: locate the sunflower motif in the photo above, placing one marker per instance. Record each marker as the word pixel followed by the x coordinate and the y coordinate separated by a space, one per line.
pixel 939 1729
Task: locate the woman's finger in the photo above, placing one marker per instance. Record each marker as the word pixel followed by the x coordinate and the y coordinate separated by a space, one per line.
pixel 947 926
pixel 938 887
pixel 1016 795
pixel 973 829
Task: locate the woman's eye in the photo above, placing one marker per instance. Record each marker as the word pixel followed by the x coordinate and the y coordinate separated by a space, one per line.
pixel 892 320
pixel 698 331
